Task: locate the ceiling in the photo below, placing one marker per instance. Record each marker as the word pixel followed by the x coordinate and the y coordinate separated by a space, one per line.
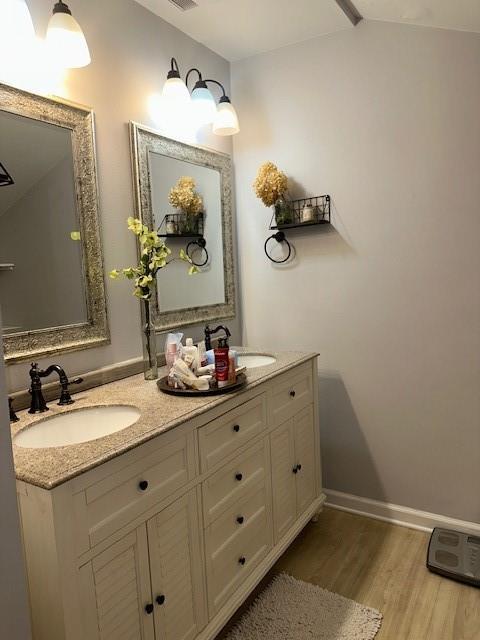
pixel 237 29
pixel 462 15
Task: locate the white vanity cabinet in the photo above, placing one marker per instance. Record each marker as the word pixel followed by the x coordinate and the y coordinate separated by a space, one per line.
pixel 149 584
pixel 165 541
pixel 293 470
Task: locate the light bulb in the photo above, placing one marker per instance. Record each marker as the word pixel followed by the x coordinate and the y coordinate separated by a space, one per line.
pixel 204 108
pixel 226 120
pixel 65 38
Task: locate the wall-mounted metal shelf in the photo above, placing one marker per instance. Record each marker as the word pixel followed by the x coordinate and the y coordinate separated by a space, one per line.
pixel 303 213
pixel 293 216
pixel 182 225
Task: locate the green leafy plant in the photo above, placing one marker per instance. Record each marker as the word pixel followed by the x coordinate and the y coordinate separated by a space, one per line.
pixel 153 257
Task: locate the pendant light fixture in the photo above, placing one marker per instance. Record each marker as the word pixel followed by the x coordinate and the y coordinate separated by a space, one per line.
pixel 203 108
pixel 16 28
pixel 5 178
pixel 65 38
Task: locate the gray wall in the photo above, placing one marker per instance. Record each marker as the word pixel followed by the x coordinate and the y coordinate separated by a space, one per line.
pixel 385 118
pixel 131 50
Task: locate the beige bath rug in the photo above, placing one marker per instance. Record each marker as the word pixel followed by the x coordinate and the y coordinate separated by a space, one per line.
pixel 290 609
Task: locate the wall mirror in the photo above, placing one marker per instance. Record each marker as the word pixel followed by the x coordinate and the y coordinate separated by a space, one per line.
pixel 158 163
pixel 51 270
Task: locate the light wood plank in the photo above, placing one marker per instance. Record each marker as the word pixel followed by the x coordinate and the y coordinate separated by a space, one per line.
pixel 382 566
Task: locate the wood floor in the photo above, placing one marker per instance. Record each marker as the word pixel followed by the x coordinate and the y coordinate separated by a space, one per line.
pixel 382 566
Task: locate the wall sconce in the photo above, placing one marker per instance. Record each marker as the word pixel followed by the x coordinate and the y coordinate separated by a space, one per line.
pixel 5 178
pixel 65 39
pixel 203 107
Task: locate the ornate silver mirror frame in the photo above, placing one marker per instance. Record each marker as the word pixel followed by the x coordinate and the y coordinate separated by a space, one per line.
pixel 143 140
pixel 94 332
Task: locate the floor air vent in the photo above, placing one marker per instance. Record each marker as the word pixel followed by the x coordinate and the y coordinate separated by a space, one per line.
pixel 184 5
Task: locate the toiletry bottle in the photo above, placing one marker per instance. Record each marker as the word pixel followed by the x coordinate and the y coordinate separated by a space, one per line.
pixel 232 367
pixel 190 354
pixel 221 362
pixel 202 355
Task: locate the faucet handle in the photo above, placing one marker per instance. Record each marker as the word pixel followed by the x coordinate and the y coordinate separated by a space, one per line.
pixel 65 397
pixel 13 415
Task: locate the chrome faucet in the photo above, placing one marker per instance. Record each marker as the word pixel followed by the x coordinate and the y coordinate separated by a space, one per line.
pixel 38 404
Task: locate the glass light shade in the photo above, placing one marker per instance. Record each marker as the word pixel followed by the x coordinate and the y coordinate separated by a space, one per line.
pixel 204 107
pixel 66 41
pixel 176 93
pixel 226 120
pixel 16 29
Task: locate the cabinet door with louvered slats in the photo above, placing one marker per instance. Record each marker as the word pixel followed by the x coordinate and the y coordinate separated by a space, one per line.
pixel 176 570
pixel 116 592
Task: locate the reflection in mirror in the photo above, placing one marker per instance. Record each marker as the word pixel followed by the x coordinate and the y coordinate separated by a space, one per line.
pixel 39 228
pixel 176 289
pixel 158 164
pixel 52 290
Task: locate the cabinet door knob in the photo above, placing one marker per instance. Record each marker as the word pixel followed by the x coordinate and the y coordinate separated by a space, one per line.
pixel 236 428
pixel 143 485
pixel 292 393
pixel 149 608
pixel 299 467
pixel 295 469
pixel 240 519
pixel 160 599
pixel 242 560
pixel 238 476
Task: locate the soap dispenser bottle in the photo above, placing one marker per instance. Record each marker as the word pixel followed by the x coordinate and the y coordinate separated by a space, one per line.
pixel 190 354
pixel 221 362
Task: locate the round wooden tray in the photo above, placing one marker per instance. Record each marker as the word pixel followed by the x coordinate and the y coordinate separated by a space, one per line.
pixel 234 386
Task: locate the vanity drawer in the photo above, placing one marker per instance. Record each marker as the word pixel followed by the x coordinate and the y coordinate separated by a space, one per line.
pixel 292 392
pixel 234 521
pixel 229 432
pixel 116 499
pixel 233 481
pixel 230 564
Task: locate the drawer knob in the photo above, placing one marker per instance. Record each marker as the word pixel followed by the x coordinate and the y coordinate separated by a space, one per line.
pixel 160 599
pixel 149 608
pixel 143 485
pixel 242 560
pixel 236 428
pixel 238 476
pixel 292 393
pixel 240 519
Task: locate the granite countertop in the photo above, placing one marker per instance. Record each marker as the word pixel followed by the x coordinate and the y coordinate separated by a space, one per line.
pixel 47 468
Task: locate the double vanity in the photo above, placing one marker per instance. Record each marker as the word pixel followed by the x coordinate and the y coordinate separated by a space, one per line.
pixel 160 526
pixel 144 516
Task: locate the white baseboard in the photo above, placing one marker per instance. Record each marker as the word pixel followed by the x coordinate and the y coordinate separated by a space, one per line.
pixel 396 514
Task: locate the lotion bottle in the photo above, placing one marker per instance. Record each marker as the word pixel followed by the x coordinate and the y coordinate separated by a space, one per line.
pixel 221 362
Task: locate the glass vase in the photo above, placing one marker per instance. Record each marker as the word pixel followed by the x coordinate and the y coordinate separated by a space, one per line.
pixel 149 339
pixel 283 211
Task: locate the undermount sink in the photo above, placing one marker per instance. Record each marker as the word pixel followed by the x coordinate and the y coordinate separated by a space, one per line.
pixel 76 426
pixel 254 360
